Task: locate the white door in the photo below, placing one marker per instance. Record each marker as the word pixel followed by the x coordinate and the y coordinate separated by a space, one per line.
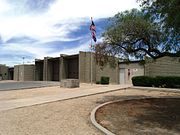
pixel 122 76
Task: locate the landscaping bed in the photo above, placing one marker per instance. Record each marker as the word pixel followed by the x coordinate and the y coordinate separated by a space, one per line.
pixel 141 116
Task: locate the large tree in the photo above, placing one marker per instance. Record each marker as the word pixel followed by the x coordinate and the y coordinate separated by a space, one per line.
pixel 166 14
pixel 133 34
pixel 166 11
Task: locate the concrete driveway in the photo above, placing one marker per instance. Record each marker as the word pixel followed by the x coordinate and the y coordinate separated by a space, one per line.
pixel 60 94
pixel 26 85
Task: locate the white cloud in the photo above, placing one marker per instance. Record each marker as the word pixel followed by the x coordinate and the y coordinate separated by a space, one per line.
pixel 87 8
pixel 54 24
pixel 62 11
pixel 4 6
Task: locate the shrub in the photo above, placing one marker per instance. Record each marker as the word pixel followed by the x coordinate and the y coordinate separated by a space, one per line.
pixel 158 81
pixel 143 81
pixel 104 80
pixel 97 82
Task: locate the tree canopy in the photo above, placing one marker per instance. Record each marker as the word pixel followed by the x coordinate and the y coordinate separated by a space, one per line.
pixel 166 11
pixel 134 34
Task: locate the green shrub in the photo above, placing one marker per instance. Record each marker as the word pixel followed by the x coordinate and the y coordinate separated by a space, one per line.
pixel 143 81
pixel 158 81
pixel 104 80
pixel 97 82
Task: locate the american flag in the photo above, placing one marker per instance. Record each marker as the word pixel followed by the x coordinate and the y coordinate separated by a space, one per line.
pixel 93 30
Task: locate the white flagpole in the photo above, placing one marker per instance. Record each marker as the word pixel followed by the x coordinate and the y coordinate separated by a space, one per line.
pixel 91 55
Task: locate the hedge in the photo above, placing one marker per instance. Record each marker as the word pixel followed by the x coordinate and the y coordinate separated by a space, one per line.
pixel 158 81
pixel 98 82
pixel 104 80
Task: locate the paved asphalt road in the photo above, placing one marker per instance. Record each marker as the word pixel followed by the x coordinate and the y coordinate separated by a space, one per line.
pixel 26 85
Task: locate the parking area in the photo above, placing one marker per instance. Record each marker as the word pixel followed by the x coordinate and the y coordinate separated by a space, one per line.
pixel 12 85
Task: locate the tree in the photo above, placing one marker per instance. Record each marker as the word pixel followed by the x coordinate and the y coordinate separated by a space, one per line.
pixel 166 14
pixel 133 34
pixel 166 11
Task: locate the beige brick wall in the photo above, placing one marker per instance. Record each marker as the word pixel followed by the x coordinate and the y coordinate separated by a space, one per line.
pixel 29 73
pixel 16 73
pixel 63 68
pixel 49 70
pixel 85 69
pixel 24 73
pixel 45 78
pixel 21 72
pixel 165 66
pixel 112 73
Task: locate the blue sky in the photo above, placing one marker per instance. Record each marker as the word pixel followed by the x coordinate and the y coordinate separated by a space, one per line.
pixel 38 28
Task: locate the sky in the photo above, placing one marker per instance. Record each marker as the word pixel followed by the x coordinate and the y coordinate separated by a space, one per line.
pixel 35 29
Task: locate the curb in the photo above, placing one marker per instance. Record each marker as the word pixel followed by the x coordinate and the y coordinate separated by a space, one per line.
pixel 94 122
pixel 157 89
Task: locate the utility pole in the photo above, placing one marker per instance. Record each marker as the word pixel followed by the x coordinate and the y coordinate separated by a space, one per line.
pixel 23 59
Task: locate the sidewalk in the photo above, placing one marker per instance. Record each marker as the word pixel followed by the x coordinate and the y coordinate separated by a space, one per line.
pixel 65 95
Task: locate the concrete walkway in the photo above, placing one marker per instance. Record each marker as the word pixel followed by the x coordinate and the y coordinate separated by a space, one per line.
pixel 78 92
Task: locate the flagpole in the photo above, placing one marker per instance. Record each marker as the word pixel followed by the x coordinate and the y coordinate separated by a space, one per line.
pixel 91 57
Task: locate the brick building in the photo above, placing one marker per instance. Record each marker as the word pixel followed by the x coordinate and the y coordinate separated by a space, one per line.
pixel 24 72
pixel 73 66
pixel 79 67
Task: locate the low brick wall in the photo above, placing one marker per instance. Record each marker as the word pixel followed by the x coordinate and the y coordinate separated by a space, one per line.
pixel 69 83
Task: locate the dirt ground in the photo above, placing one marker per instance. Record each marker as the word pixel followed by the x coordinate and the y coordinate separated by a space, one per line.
pixel 69 117
pixel 154 116
pixel 28 93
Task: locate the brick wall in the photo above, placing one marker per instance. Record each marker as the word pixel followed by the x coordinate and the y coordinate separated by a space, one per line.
pixel 21 72
pixel 16 73
pixel 85 69
pixel 165 66
pixel 63 68
pixel 24 73
pixel 112 73
pixel 29 73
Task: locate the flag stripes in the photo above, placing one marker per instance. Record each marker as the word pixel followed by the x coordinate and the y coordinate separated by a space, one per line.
pixel 93 30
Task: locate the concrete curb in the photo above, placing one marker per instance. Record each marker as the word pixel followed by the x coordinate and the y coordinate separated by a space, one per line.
pixel 156 89
pixel 94 122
